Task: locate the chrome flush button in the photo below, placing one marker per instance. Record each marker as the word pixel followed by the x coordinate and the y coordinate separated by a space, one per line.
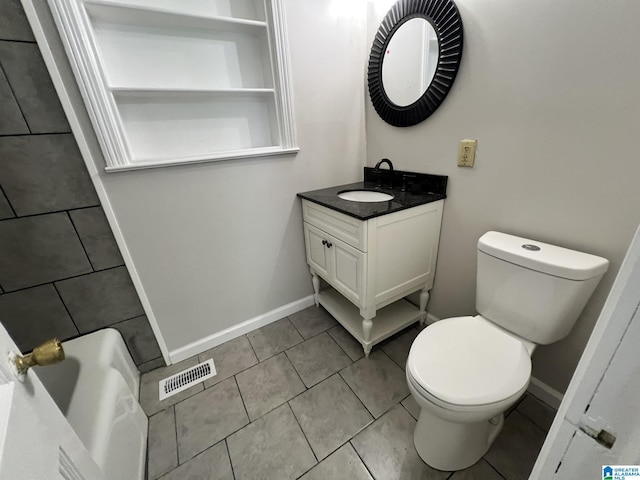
pixel 533 248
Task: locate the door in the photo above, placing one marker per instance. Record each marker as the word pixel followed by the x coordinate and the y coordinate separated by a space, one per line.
pixel 598 422
pixel 317 253
pixel 347 267
pixel 36 441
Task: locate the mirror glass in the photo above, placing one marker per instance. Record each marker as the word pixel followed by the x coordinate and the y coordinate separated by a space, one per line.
pixel 410 61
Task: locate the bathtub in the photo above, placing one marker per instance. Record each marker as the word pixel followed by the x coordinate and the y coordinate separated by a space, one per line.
pixel 96 388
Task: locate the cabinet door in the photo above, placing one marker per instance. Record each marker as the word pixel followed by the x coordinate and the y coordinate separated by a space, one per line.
pixel 347 270
pixel 317 252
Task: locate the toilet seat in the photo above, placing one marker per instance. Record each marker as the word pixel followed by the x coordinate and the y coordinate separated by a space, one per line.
pixel 469 361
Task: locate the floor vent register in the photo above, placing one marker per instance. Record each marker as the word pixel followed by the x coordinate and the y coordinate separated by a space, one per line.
pixel 187 378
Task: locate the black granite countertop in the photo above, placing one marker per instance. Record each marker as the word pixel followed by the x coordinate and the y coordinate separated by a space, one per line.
pixel 419 188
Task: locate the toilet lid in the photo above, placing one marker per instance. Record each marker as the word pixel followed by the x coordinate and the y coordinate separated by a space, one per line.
pixel 469 361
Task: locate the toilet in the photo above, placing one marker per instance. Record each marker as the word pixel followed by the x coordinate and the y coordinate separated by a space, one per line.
pixel 465 372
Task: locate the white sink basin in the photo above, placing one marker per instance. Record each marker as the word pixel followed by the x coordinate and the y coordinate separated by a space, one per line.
pixel 365 196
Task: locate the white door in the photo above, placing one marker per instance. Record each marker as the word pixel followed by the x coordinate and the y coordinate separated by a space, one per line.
pixel 36 441
pixel 598 422
pixel 348 270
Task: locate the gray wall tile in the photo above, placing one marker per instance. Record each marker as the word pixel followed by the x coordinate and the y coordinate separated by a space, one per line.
pixel 11 119
pixel 13 22
pixel 5 208
pixel 97 238
pixel 31 84
pixel 139 338
pixel 100 299
pixel 38 250
pixel 44 173
pixel 34 315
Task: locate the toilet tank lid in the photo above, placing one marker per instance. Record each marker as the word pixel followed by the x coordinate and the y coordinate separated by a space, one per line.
pixel 542 257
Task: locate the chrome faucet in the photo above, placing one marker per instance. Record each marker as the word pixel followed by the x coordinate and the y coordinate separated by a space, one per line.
pixel 377 168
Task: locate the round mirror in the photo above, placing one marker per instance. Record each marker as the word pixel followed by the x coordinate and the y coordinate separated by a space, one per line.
pixel 414 60
pixel 410 61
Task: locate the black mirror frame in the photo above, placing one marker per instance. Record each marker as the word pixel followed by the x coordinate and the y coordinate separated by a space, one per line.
pixel 444 16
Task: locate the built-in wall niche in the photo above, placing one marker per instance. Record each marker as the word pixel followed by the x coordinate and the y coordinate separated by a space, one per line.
pixel 168 82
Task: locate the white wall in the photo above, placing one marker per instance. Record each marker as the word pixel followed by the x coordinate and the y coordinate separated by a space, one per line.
pixel 550 90
pixel 220 243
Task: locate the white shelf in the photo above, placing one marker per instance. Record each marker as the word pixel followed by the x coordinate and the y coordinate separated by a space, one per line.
pixel 181 81
pixel 186 125
pixel 142 164
pixel 139 51
pixel 149 16
pixel 175 92
pixel 388 320
pixel 241 9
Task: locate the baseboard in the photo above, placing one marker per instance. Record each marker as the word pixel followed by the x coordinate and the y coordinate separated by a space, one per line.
pixel 545 393
pixel 247 326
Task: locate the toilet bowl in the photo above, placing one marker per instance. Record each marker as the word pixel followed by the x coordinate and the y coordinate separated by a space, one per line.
pixel 464 372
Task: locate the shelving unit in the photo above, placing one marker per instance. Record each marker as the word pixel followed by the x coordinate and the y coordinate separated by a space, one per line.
pixel 388 321
pixel 169 82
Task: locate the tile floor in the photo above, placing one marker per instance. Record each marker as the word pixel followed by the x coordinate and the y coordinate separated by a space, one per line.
pixel 297 400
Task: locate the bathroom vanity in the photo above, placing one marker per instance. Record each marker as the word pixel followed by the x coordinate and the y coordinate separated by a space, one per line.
pixel 373 254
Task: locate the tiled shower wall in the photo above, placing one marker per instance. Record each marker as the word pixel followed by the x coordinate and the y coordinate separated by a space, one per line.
pixel 61 273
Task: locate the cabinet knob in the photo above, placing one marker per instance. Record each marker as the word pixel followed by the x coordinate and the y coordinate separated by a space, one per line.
pixel 324 242
pixel 329 244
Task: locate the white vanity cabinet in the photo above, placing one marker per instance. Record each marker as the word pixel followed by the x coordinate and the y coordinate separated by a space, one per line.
pixel 371 265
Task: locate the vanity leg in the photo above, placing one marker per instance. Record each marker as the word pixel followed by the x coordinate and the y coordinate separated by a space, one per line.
pixel 367 325
pixel 424 299
pixel 316 286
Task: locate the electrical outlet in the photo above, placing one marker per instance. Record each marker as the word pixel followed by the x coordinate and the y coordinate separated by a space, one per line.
pixel 467 152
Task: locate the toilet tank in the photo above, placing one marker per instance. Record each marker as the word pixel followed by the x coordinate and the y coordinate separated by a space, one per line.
pixel 534 289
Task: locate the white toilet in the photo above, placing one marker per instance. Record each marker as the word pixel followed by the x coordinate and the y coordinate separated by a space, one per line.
pixel 464 372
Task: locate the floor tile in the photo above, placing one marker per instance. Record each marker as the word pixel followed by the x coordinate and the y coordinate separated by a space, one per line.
pixel 140 340
pixel 162 450
pixel 97 238
pixel 386 447
pixel 38 250
pixel 45 173
pixel 317 358
pixel 312 320
pixel 5 208
pixel 480 471
pixel 274 338
pixel 100 299
pixel 537 411
pixel 34 315
pixel 149 399
pixel 344 463
pixel 13 22
pixel 32 86
pixel 208 417
pixel 229 358
pixel 398 348
pixel 273 447
pixel 329 414
pixel 411 406
pixel 516 463
pixel 11 120
pixel 151 365
pixel 377 381
pixel 345 340
pixel 268 385
pixel 212 464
